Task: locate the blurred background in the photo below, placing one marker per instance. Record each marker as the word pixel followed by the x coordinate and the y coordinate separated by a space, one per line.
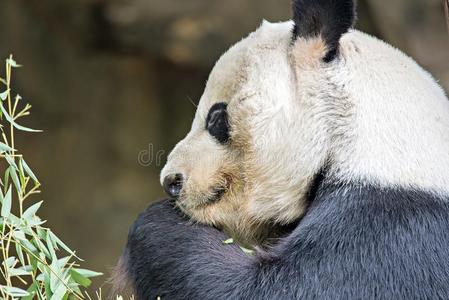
pixel 113 84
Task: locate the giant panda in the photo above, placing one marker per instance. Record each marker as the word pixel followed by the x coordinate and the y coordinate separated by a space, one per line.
pixel 311 123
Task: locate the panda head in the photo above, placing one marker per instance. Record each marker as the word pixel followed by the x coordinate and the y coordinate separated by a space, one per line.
pixel 291 100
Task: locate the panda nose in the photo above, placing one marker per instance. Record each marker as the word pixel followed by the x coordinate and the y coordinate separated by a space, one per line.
pixel 173 185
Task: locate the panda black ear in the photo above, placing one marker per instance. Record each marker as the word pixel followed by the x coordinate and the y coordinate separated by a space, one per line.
pixel 329 19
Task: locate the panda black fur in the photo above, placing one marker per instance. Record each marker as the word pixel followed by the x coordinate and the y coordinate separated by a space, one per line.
pixel 375 210
pixel 355 242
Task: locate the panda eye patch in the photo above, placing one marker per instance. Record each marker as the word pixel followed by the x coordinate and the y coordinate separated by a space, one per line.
pixel 217 122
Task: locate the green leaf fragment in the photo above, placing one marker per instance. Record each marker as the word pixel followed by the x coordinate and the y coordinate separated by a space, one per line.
pixel 6 205
pixel 229 241
pixel 4 95
pixel 247 251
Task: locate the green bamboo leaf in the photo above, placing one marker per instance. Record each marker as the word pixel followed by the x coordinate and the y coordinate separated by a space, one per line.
pixel 62 245
pixel 32 290
pixel 19 252
pixel 87 273
pixel 22 176
pixel 19 235
pixel 41 233
pixel 9 262
pixel 11 120
pixel 18 272
pixel 15 179
pixel 11 161
pixel 40 277
pixel 59 293
pixel 42 248
pixel 12 63
pixel 29 246
pixel 35 221
pixel 62 262
pixel 14 291
pixel 28 170
pixel 27 268
pixel 80 279
pixel 14 221
pixel 4 95
pixel 5 148
pixel 48 291
pixel 51 249
pixel 54 280
pixel 31 211
pixel 6 205
pixel 6 181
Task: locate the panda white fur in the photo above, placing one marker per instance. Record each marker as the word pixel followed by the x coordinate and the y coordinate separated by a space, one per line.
pixel 306 120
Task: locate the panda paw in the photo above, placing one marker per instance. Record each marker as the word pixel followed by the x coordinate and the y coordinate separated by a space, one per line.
pixel 159 218
pixel 164 228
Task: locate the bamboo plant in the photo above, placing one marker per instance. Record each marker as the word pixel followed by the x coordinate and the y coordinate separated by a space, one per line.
pixel 34 262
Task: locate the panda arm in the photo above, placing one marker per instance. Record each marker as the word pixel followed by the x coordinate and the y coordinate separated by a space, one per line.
pixel 353 243
pixel 167 256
